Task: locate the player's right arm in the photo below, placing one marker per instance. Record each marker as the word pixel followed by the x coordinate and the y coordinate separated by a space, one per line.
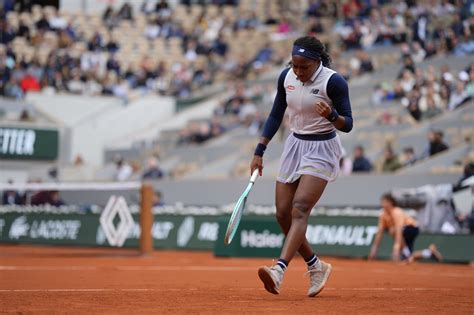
pixel 272 124
pixel 378 238
pixel 398 218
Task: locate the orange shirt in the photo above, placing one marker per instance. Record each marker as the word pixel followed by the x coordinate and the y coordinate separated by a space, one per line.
pixel 396 217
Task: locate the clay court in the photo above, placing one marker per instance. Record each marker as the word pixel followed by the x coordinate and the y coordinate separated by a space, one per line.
pixel 53 279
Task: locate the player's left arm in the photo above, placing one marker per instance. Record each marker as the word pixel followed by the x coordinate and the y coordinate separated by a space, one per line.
pixel 340 115
pixel 398 238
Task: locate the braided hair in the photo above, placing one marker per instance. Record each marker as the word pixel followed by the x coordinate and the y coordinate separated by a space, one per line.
pixel 314 44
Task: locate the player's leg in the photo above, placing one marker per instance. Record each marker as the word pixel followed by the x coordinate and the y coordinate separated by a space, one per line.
pixel 430 252
pixel 272 277
pixel 309 191
pixel 284 195
pixel 307 195
pixel 409 234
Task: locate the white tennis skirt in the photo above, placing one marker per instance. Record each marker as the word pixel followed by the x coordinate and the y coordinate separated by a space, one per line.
pixel 310 157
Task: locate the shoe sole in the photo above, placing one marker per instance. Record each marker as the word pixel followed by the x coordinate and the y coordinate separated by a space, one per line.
pixel 264 274
pixel 326 277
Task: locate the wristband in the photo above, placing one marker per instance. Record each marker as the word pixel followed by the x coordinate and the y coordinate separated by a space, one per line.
pixel 260 149
pixel 333 116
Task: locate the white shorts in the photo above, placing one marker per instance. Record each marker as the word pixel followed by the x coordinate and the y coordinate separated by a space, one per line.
pixel 319 158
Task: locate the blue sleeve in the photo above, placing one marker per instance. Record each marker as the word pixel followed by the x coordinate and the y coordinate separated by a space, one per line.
pixel 278 110
pixel 338 91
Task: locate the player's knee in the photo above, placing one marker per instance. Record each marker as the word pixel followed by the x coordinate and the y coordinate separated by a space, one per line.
pixel 282 216
pixel 301 209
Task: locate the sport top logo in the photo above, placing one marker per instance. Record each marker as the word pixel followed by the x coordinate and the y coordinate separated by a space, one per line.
pixel 315 91
pixel 301 50
pixel 290 87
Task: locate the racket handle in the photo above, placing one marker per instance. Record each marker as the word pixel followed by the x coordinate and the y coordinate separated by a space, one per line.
pixel 254 176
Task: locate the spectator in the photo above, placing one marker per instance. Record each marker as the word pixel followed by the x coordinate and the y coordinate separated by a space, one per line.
pixel 163 9
pixel 23 30
pixel 412 106
pixel 113 64
pixel 158 199
pixel 7 33
pixel 436 144
pixel 360 163
pixel 29 83
pixel 390 161
pixel 11 197
pixel 57 22
pixel 432 110
pixel 43 23
pixel 123 170
pixel 152 171
pixel 408 157
pixel 220 46
pixel 418 54
pixel 458 96
pixel 47 198
pixel 126 12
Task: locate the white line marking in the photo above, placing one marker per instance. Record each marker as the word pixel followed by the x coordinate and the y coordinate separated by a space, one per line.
pixel 460 274
pixel 87 290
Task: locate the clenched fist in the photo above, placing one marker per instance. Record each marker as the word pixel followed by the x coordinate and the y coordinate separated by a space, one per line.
pixel 323 109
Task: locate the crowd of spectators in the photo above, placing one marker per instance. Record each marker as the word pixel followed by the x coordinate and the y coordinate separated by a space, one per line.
pixel 33 198
pixel 427 93
pixel 242 106
pixel 391 161
pixel 365 24
pixel 97 70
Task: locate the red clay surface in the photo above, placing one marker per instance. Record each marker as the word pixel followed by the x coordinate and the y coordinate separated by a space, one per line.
pixel 52 280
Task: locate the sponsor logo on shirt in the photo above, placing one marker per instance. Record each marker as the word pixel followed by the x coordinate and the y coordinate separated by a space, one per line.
pixel 290 87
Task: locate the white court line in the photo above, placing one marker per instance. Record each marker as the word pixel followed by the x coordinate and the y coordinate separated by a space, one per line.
pixel 98 290
pixel 220 269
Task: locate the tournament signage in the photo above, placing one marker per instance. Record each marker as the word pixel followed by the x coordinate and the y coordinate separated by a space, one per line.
pixel 258 236
pixel 28 143
pixel 168 231
pixel 341 236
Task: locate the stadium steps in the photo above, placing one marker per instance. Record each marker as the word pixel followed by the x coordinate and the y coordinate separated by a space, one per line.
pixel 442 161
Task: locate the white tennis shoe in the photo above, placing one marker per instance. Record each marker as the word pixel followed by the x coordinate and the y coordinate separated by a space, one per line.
pixel 318 275
pixel 272 278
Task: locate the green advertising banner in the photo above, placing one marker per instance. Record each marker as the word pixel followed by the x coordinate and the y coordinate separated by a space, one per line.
pixel 28 143
pixel 333 236
pixel 258 236
pixel 173 232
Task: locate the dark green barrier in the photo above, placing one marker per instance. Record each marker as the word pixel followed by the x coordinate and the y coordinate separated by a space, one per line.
pixel 257 236
pixel 28 143
pixel 174 232
pixel 334 236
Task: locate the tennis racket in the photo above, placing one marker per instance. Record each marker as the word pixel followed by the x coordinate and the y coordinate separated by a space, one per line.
pixel 239 210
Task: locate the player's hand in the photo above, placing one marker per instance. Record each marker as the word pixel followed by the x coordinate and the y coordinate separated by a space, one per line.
pixel 395 255
pixel 372 254
pixel 257 163
pixel 323 109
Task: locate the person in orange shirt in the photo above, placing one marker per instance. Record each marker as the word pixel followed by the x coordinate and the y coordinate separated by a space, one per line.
pixel 404 229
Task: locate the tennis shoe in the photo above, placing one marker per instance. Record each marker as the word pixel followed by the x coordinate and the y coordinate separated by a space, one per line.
pixel 318 275
pixel 272 278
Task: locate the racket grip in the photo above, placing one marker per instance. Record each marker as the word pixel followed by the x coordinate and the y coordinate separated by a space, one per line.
pixel 254 176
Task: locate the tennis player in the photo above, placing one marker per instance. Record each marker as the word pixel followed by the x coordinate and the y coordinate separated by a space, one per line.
pixel 317 99
pixel 404 229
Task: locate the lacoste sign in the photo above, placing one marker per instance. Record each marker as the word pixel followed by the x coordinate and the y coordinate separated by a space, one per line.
pixel 44 229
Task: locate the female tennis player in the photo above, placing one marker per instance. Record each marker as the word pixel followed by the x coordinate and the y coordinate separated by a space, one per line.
pixel 318 103
pixel 404 229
